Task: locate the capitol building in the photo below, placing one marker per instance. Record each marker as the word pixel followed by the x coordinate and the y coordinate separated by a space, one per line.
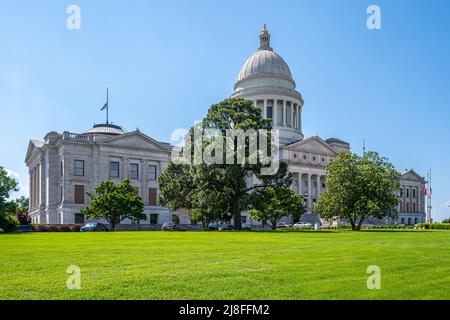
pixel 64 166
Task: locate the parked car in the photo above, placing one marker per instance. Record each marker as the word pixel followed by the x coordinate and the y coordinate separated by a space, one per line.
pixel 281 225
pixel 226 227
pixel 24 229
pixel 93 226
pixel 213 227
pixel 302 225
pixel 181 227
pixel 168 226
pixel 246 226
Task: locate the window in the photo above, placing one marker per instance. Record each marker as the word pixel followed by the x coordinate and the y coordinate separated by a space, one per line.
pixel 414 193
pixel 153 218
pixel 401 193
pixel 407 193
pixel 114 171
pixel 152 196
pixel 152 173
pixel 61 169
pixel 79 218
pixel 269 112
pixel 79 168
pixel 244 219
pixel 134 171
pixel 175 219
pixel 79 194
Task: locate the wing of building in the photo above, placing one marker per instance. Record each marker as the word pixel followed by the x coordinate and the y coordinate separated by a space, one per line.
pixel 64 166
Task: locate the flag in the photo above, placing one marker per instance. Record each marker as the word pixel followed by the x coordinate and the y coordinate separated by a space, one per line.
pixel 104 107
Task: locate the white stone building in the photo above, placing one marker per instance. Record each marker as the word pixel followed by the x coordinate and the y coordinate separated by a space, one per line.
pixel 64 166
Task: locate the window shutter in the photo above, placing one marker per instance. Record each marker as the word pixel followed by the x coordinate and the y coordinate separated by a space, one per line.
pixel 152 196
pixel 79 194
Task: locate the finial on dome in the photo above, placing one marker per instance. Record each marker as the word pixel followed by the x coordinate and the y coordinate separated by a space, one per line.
pixel 264 39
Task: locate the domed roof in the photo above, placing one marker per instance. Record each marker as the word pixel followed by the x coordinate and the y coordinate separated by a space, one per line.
pixel 106 129
pixel 265 62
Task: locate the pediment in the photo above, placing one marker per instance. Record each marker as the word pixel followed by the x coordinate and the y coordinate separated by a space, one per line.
pixel 314 145
pixel 411 175
pixel 137 139
pixel 33 145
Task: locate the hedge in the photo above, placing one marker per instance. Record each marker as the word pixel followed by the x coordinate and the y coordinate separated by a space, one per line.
pixel 442 226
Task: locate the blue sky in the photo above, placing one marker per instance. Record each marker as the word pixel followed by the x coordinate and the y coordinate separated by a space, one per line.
pixel 166 62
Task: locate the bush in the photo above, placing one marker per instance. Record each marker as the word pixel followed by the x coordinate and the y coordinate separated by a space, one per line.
pixel 53 228
pixel 41 228
pixel 76 228
pixel 8 222
pixel 442 226
pixel 65 228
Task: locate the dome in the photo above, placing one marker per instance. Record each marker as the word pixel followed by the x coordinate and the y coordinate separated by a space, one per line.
pixel 106 129
pixel 265 63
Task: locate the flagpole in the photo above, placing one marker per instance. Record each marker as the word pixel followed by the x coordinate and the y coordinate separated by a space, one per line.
pixel 107 105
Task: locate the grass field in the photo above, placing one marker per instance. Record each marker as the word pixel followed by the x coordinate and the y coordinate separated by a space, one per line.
pixel 226 265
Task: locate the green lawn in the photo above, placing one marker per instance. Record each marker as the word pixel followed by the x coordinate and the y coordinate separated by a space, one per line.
pixel 226 265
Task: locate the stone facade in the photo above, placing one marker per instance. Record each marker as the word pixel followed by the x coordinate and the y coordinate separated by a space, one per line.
pixel 65 166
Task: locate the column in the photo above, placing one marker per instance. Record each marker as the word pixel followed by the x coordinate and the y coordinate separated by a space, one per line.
pixel 299 115
pixel 265 109
pixel 275 112
pixel 318 187
pixel 292 115
pixel 284 113
pixel 144 179
pixel 309 193
pixel 125 168
pixel 300 183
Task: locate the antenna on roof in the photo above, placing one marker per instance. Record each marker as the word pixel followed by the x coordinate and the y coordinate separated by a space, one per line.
pixel 106 106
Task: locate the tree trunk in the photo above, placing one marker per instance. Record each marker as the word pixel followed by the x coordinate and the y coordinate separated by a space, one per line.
pixel 352 222
pixel 360 224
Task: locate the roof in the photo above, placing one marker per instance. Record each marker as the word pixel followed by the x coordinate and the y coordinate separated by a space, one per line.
pixel 105 128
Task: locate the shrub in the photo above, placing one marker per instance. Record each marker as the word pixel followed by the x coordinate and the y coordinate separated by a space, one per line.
pixel 8 222
pixel 65 228
pixel 42 228
pixel 442 226
pixel 53 228
pixel 76 228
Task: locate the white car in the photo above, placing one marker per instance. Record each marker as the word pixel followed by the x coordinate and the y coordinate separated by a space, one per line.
pixel 302 225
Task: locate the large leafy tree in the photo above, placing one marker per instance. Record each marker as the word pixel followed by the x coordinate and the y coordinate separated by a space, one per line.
pixel 7 207
pixel 271 205
pixel 114 203
pixel 190 185
pixel 359 187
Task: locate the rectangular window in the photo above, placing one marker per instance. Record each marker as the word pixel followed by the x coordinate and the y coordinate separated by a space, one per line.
pixel 134 171
pixel 153 218
pixel 79 194
pixel 152 173
pixel 414 193
pixel 243 219
pixel 269 112
pixel 407 193
pixel 152 196
pixel 79 168
pixel 114 171
pixel 62 166
pixel 79 218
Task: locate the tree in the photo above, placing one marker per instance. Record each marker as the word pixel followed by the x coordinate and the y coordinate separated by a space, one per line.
pixel 114 203
pixel 446 220
pixel 359 187
pixel 189 185
pixel 21 204
pixel 275 203
pixel 7 185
